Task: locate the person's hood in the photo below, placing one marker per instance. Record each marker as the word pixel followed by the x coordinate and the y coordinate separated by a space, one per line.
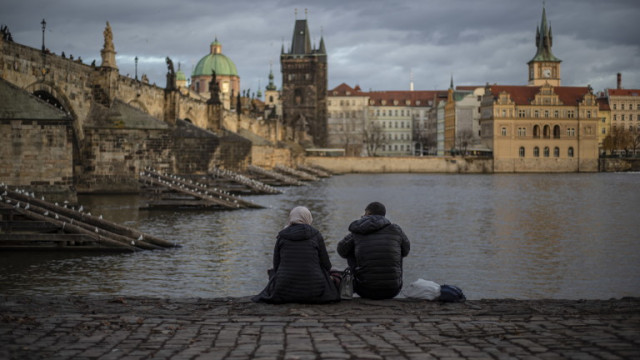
pixel 369 224
pixel 297 232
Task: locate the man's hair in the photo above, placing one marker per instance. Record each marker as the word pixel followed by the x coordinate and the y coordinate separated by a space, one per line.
pixel 376 208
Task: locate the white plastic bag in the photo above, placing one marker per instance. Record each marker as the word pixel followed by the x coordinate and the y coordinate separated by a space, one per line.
pixel 422 289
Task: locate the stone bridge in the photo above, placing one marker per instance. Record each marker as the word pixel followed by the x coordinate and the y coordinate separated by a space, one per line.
pixel 121 124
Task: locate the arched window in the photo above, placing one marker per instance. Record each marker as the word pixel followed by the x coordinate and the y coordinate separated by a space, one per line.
pixel 536 131
pixel 556 132
pixel 546 131
pixel 503 131
pixel 570 152
pixel 536 152
pixel 521 152
pixel 556 151
pixel 546 151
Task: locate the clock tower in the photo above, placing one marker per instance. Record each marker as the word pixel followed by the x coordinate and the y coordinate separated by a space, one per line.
pixel 544 67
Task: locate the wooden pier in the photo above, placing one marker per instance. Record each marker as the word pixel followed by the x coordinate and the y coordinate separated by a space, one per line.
pixel 321 173
pixel 272 177
pixel 237 184
pixel 304 176
pixel 172 191
pixel 27 222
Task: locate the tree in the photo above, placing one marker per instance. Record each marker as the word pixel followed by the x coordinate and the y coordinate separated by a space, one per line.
pixel 464 138
pixel 373 138
pixel 635 141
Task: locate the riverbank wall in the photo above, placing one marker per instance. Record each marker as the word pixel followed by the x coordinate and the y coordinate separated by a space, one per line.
pixel 452 165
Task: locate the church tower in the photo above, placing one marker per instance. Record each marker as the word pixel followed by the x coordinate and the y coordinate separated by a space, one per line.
pixel 544 67
pixel 304 87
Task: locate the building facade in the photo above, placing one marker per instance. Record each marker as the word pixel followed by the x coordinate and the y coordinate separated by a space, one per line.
pixel 542 127
pixel 347 117
pixel 304 87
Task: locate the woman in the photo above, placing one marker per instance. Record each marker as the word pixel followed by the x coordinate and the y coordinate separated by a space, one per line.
pixel 300 265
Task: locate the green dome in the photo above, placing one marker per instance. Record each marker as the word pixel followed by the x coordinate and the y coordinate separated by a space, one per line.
pixel 180 75
pixel 218 62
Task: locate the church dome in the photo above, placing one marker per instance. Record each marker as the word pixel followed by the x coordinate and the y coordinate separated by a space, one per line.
pixel 180 75
pixel 215 61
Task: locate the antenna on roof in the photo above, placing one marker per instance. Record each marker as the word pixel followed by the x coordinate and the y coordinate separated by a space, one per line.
pixel 295 12
pixel 305 13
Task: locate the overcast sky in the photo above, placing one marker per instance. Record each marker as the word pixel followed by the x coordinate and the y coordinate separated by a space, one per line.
pixel 372 43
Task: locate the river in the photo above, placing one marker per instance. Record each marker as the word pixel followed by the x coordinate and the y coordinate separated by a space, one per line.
pixel 522 236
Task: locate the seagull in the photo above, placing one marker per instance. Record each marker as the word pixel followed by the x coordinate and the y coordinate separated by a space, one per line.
pixel 57 217
pixel 96 229
pixel 27 207
pixel 46 213
pixel 133 243
pixel 100 217
pixel 81 208
pixel 18 205
pixel 42 198
pixel 140 238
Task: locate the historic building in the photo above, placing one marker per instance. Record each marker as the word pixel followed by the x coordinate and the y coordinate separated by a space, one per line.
pixel 225 71
pixel 604 123
pixel 347 117
pixel 304 87
pixel 625 107
pixel 542 127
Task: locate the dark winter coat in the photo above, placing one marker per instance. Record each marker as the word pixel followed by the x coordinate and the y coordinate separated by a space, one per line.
pixel 374 250
pixel 301 269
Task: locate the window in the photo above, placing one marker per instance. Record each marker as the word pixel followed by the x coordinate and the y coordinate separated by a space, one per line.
pixel 377 112
pixel 536 152
pixel 604 131
pixel 588 114
pixel 546 113
pixel 556 132
pixel 555 114
pixel 622 117
pixel 536 114
pixel 536 131
pixel 621 106
pixel 522 131
pixel 570 114
pixel 383 148
pixel 384 124
pixel 521 151
pixel 396 123
pixel 521 113
pixel 570 152
pixel 504 113
pixel 571 132
pixel 546 151
pixel 503 131
pixel 614 107
pixel 546 131
pixel 556 151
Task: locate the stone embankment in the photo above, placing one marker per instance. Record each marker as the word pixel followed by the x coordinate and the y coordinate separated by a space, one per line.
pixel 235 328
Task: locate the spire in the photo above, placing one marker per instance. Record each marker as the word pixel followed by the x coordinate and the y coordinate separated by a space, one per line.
pixel 544 40
pixel 451 85
pixel 322 49
pixel 301 42
pixel 271 85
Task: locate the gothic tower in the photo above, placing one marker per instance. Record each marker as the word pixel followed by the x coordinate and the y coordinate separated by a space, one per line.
pixel 304 87
pixel 544 67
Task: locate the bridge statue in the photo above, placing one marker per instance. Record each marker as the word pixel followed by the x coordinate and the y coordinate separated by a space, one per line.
pixel 171 75
pixel 214 90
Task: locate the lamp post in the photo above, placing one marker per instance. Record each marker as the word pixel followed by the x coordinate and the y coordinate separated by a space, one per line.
pixel 136 67
pixel 44 25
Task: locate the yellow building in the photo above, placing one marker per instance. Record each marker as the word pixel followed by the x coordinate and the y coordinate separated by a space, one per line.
pixel 625 108
pixel 604 123
pixel 542 127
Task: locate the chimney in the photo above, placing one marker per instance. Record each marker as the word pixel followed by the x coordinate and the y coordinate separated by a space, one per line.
pixel 619 81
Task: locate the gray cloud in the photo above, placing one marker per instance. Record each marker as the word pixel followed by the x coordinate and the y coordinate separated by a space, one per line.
pixel 375 44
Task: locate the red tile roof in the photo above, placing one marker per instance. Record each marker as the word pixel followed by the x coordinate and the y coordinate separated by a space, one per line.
pixel 424 96
pixel 603 103
pixel 623 92
pixel 344 89
pixel 523 95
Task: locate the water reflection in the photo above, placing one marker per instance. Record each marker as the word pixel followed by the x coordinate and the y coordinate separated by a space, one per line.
pixel 496 236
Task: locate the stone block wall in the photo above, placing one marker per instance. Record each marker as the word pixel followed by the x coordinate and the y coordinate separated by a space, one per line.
pixel 38 154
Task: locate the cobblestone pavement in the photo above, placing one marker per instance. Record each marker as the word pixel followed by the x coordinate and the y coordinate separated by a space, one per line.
pixel 236 328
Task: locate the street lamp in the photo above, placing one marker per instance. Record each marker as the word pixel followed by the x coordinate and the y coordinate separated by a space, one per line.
pixel 136 68
pixel 44 25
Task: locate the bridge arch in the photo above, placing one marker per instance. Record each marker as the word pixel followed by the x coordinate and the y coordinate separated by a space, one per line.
pixel 136 103
pixel 50 93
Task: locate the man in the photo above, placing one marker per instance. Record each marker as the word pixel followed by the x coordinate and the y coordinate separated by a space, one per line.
pixel 374 250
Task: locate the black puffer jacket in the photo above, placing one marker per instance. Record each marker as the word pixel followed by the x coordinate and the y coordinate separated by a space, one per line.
pixel 301 269
pixel 374 249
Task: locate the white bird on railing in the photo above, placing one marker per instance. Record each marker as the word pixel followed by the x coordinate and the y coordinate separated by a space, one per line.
pixel 57 217
pixel 96 229
pixel 46 213
pixel 140 238
pixel 27 207
pixel 100 217
pixel 81 208
pixel 18 205
pixel 42 198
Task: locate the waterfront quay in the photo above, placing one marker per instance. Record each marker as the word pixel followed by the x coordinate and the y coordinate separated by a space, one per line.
pixel 114 327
